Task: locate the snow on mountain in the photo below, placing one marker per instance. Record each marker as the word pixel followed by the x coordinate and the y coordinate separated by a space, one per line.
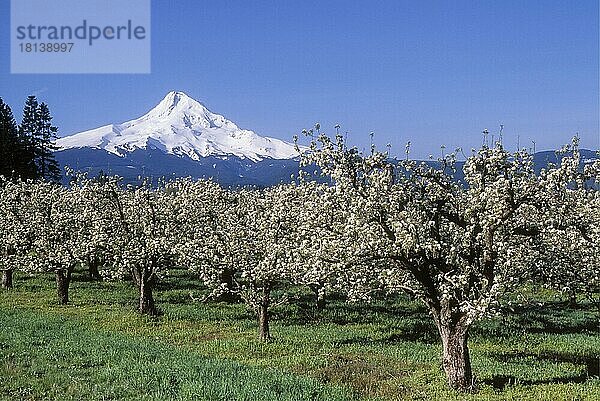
pixel 181 126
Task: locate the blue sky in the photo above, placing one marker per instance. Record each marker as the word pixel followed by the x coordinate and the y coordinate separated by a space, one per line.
pixel 432 72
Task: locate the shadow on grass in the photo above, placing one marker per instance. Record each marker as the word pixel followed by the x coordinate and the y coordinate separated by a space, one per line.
pixel 592 369
pixel 500 382
pixel 421 332
pixel 84 278
pixel 556 318
pixel 548 318
pixel 303 310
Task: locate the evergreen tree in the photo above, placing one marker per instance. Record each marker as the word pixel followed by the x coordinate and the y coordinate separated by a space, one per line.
pixel 8 141
pixel 14 159
pixel 37 134
pixel 44 137
pixel 27 132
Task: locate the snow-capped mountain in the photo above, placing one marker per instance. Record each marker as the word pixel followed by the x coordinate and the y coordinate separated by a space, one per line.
pixel 182 126
pixel 180 137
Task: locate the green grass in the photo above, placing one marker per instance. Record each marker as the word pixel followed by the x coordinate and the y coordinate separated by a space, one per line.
pixel 387 350
pixel 63 359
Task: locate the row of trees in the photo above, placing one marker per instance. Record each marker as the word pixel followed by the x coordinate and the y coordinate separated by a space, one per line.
pixel 26 150
pixel 376 227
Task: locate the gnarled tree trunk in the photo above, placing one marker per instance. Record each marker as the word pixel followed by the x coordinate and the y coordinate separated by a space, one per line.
pixel 62 285
pixel 146 305
pixel 456 360
pixel 454 332
pixel 263 315
pixel 144 281
pixel 7 278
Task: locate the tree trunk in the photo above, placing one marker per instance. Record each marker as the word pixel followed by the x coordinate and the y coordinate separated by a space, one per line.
pixel 456 360
pixel 263 315
pixel 146 306
pixel 572 298
pixel 321 301
pixel 62 286
pixel 7 279
pixel 93 271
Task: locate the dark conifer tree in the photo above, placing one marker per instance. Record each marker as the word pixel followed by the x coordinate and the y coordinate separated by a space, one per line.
pixel 27 132
pixel 10 147
pixel 38 134
pixel 44 147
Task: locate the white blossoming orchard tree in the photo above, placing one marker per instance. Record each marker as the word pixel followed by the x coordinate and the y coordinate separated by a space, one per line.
pixel 95 235
pixel 457 246
pixel 322 238
pixel 569 260
pixel 60 217
pixel 16 240
pixel 213 233
pixel 241 241
pixel 142 226
pixel 270 260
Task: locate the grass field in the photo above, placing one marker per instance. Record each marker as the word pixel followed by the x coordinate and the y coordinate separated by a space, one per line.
pixel 98 348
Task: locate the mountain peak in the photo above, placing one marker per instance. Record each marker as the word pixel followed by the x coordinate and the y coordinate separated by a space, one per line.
pixel 177 103
pixel 182 126
pixel 175 97
pixel 172 94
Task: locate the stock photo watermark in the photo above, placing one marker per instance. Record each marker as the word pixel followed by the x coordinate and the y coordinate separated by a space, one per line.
pixel 80 36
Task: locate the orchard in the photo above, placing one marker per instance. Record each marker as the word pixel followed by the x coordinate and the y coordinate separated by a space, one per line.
pixel 370 227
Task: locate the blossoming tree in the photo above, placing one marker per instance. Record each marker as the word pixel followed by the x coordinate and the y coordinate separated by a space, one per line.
pixel 457 246
pixel 569 259
pixel 142 227
pixel 60 218
pixel 16 240
pixel 213 233
pixel 272 220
